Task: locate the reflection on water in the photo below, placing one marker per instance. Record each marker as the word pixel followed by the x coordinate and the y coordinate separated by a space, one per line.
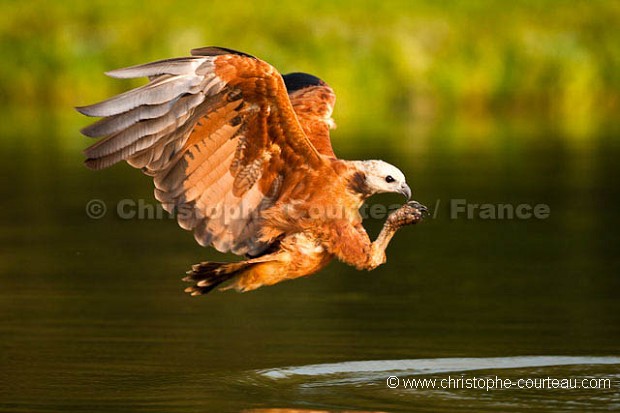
pixel 389 379
pixel 433 366
pixel 93 316
pixel 303 411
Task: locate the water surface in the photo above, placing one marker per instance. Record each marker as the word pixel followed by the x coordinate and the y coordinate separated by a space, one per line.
pixel 93 316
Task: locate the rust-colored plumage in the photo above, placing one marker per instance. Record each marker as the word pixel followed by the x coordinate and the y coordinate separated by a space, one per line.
pixel 243 156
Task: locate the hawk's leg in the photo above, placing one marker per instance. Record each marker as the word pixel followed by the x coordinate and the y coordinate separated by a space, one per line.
pixel 354 247
pixel 408 214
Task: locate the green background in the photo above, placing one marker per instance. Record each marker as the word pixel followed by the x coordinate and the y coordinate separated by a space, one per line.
pixel 468 68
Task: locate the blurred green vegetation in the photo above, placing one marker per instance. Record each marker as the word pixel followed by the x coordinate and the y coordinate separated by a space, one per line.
pixel 464 66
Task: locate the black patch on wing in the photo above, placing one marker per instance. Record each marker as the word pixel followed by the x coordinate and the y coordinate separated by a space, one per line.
pixel 297 80
pixel 217 51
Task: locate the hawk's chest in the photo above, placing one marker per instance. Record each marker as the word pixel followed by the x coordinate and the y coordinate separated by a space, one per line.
pixel 305 253
pixel 307 244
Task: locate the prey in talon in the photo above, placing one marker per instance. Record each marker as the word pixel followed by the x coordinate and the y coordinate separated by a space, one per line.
pixel 243 155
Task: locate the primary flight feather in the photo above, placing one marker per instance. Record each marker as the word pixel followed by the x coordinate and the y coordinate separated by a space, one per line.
pixel 243 156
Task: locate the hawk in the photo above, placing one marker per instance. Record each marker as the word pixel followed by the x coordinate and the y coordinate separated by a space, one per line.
pixel 242 155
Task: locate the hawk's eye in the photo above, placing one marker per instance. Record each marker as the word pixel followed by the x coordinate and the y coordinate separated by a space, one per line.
pixel 389 179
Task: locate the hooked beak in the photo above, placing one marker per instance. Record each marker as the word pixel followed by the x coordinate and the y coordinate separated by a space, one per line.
pixel 405 191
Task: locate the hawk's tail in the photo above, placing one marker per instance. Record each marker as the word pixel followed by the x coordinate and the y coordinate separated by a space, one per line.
pixel 208 275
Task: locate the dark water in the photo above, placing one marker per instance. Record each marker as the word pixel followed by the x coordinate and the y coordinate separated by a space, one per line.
pixel 93 316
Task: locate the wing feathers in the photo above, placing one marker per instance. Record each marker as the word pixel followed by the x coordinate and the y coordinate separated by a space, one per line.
pixel 207 174
pixel 313 104
pixel 195 152
pixel 116 123
pixel 217 51
pixel 161 90
pixel 217 132
pixel 178 66
pixel 152 128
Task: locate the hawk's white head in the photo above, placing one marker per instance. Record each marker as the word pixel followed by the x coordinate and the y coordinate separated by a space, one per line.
pixel 381 177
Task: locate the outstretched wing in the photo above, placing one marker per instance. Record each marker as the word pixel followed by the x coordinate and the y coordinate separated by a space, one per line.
pixel 218 134
pixel 313 101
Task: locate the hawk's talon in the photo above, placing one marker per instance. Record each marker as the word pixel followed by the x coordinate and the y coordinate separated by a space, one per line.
pixel 410 213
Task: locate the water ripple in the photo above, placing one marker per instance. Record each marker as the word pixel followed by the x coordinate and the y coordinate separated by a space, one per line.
pixel 432 366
